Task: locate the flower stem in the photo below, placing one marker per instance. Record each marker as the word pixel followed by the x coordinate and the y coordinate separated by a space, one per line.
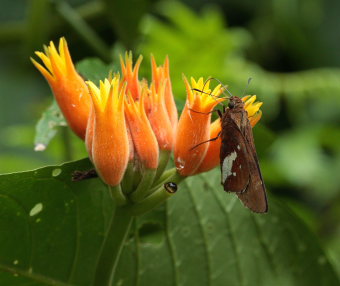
pixel 117 195
pixel 127 183
pixel 152 201
pixel 113 245
pixel 144 185
pixel 164 157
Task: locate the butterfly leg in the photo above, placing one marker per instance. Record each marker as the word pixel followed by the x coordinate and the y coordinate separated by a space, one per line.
pixel 210 140
pixel 216 110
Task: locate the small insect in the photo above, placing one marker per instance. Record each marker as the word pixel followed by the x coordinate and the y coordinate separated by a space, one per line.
pixel 170 187
pixel 240 168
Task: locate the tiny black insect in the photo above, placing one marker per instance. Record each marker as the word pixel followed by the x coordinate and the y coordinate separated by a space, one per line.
pixel 170 187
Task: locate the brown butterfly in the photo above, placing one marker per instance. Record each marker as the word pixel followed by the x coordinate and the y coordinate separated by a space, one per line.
pixel 240 168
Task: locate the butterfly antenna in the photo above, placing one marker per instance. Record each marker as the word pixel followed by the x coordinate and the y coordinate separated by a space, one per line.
pixel 245 89
pixel 224 86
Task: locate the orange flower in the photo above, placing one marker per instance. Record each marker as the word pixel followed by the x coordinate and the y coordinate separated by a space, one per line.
pixel 131 75
pixel 159 75
pixel 194 126
pixel 158 117
pixel 144 140
pixel 67 85
pixel 212 157
pixel 110 145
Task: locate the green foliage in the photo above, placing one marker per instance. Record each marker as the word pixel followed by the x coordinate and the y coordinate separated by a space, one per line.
pixel 46 127
pixel 94 69
pixel 202 236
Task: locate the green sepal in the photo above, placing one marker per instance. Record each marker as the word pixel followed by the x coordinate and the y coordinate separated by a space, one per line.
pixel 145 184
pixel 164 156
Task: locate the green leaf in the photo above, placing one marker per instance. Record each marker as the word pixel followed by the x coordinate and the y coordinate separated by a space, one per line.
pixel 46 127
pixel 94 69
pixel 204 236
pixel 52 231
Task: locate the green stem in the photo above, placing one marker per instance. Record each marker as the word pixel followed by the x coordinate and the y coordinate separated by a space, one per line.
pixel 169 176
pixel 156 197
pixel 164 157
pixel 143 188
pixel 118 196
pixel 113 245
pixel 165 176
pixel 127 182
pixel 152 201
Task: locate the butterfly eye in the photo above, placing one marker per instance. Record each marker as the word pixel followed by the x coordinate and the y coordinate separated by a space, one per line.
pixel 231 104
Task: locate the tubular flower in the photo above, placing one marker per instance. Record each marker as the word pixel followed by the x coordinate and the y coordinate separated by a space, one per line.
pixel 194 126
pixel 109 144
pixel 67 85
pixel 159 75
pixel 130 75
pixel 212 157
pixel 144 139
pixel 158 116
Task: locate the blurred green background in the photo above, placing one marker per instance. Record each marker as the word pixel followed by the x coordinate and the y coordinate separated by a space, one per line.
pixel 289 47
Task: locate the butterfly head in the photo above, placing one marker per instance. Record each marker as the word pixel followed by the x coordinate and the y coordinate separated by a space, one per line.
pixel 235 103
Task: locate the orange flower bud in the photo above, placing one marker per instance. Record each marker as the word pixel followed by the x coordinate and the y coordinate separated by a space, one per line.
pixel 159 75
pixel 212 157
pixel 158 117
pixel 67 85
pixel 131 75
pixel 194 126
pixel 144 140
pixel 110 144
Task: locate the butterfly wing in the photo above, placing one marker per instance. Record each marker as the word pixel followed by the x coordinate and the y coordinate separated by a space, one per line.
pixel 233 156
pixel 254 197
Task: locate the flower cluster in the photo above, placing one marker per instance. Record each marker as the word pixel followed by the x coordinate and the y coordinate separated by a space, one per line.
pixel 131 127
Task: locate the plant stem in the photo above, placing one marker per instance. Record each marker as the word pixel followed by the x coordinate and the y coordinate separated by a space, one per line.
pixel 164 157
pixel 144 185
pixel 113 245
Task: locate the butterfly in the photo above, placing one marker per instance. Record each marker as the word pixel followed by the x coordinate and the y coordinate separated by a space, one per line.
pixel 240 169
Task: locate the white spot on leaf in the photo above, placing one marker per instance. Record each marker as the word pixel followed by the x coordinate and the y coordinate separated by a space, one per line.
pixel 36 209
pixel 227 165
pixel 56 172
pixel 238 147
